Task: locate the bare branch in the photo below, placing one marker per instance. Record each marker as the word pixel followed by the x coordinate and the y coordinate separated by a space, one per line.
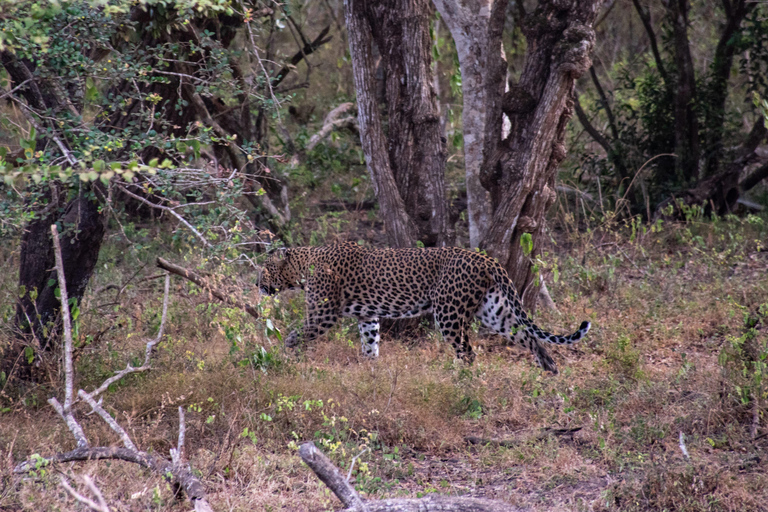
pixel 65 411
pixel 604 101
pixel 302 54
pixel 645 17
pixel 101 506
pixel 169 210
pixel 326 130
pixel 589 127
pixel 148 351
pixel 72 424
pixel 203 283
pixel 114 425
pixel 66 319
pixel 183 475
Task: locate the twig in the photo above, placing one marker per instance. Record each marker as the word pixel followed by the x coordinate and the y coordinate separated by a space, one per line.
pixel 147 352
pixel 352 464
pixel 176 453
pixel 101 506
pixel 755 415
pixel 626 192
pixel 203 283
pixel 682 445
pixel 169 210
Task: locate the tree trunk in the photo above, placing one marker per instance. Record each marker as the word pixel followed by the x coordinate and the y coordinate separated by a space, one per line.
pixel 520 173
pixel 400 228
pixel 38 308
pixel 476 27
pixel 416 151
pixel 686 123
pixel 718 84
pixel 84 232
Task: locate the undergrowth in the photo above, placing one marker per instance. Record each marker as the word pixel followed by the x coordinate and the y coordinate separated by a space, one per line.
pixel 677 351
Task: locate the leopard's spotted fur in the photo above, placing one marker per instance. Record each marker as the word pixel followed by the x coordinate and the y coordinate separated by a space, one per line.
pixel 455 284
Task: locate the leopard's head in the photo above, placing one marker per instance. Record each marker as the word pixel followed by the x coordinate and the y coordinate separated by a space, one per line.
pixel 280 272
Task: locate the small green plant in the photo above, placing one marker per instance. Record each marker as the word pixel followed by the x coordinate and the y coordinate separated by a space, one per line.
pixel 744 358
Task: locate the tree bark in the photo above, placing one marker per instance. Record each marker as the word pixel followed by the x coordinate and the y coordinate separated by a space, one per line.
pixel 83 233
pixel 520 173
pixel 400 228
pixel 416 151
pixel 686 123
pixel 476 27
pixel 718 84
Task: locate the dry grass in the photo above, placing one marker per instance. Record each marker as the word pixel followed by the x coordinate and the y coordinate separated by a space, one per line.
pixel 663 310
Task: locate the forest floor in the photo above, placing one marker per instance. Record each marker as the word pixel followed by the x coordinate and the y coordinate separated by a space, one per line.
pixel 669 362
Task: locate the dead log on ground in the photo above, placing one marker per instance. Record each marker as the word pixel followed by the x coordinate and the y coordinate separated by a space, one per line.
pixel 332 477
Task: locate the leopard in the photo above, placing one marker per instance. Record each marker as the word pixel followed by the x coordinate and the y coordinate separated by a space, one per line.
pixel 456 285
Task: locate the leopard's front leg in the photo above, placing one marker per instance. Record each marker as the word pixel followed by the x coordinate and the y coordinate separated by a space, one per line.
pixel 323 307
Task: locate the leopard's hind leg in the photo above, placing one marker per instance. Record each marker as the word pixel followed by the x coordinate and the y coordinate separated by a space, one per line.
pixel 505 316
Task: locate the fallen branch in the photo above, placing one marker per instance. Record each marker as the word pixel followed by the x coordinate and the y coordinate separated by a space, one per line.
pixel 511 443
pixel 203 283
pixel 173 469
pixel 332 477
pixel 184 476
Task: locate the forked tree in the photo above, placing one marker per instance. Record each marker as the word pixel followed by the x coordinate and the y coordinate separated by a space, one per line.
pixel 510 177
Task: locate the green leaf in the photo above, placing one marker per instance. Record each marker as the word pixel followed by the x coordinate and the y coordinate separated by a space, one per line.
pixel 526 242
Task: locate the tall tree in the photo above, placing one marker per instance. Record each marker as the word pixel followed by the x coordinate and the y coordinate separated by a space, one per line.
pixel 516 174
pixel 407 161
pixel 107 93
pixel 681 112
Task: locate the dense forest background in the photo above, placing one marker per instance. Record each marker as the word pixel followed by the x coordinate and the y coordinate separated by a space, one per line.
pixel 610 154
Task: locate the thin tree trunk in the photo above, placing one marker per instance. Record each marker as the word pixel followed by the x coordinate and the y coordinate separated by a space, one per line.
pixel 476 27
pixel 718 84
pixel 400 228
pixel 686 123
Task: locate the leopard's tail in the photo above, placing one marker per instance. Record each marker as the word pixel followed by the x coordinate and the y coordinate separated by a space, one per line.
pixel 525 324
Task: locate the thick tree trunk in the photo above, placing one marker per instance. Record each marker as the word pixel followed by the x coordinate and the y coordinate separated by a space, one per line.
pixel 476 27
pixel 520 173
pixel 416 151
pixel 400 228
pixel 38 308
